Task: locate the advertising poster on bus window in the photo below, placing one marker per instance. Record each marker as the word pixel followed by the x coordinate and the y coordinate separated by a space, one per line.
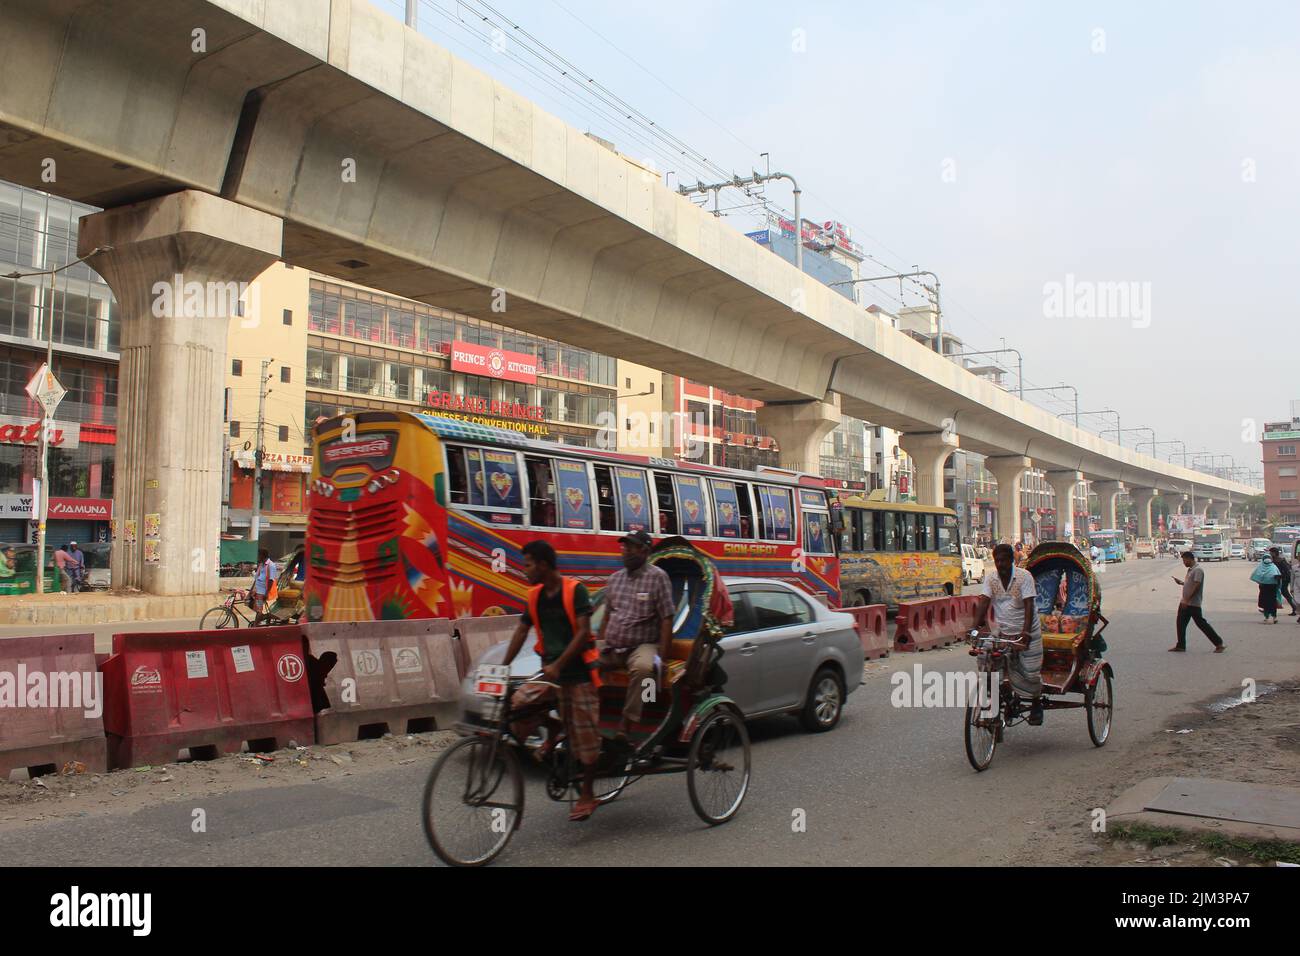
pixel 575 501
pixel 726 508
pixel 778 514
pixel 501 479
pixel 633 501
pixel 690 497
pixel 475 464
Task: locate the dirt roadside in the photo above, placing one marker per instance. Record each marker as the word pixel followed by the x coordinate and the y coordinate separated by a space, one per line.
pixel 68 795
pixel 1255 742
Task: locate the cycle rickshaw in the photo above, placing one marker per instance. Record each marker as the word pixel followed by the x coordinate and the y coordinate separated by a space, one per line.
pixel 1068 602
pixel 474 797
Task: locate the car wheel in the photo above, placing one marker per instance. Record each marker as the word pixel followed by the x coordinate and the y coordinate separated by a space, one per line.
pixel 825 702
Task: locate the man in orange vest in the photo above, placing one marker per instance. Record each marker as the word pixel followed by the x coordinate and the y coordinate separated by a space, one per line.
pixel 560 609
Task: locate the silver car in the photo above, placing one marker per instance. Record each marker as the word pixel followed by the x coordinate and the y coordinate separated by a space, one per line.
pixel 786 654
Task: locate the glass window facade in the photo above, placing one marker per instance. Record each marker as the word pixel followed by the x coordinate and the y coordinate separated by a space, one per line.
pixel 377 349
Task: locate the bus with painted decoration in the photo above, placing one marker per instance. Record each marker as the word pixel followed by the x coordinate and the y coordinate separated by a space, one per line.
pixel 414 516
pixel 892 551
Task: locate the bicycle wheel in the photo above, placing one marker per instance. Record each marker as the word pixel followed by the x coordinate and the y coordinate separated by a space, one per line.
pixel 473 801
pixel 981 728
pixel 219 617
pixel 717 767
pixel 1099 701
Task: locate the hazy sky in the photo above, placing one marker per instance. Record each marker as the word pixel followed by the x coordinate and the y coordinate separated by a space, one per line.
pixel 1003 145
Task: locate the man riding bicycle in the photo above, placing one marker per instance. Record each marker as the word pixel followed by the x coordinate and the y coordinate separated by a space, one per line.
pixel 1011 592
pixel 560 609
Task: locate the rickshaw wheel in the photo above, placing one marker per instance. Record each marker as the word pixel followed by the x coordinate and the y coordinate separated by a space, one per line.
pixel 473 801
pixel 717 767
pixel 981 741
pixel 1099 723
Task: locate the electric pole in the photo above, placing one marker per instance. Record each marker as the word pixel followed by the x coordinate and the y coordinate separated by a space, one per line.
pixel 254 531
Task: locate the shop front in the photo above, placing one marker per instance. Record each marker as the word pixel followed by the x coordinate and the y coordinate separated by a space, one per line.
pixel 284 499
pixel 80 468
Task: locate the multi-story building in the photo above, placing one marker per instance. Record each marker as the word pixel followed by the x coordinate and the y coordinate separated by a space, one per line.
pixel 38 232
pixel 1281 484
pixel 332 346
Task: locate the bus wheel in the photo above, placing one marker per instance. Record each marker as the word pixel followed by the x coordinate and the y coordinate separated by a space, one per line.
pixel 862 599
pixel 947 589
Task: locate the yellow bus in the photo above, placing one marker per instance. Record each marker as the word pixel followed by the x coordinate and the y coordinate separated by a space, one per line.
pixel 893 551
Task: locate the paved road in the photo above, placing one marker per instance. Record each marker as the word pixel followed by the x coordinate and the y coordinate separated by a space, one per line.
pixel 889 786
pixel 103 632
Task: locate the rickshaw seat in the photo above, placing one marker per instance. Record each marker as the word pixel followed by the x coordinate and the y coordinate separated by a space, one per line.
pixel 676 667
pixel 1063 642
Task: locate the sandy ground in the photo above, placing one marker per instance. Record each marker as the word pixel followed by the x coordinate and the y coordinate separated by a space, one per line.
pixel 1257 742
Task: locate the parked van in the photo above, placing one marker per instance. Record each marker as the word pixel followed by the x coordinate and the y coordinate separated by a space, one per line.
pixel 972 566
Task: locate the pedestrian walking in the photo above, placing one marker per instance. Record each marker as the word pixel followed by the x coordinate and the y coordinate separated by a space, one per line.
pixel 78 569
pixel 265 588
pixel 64 561
pixel 1284 580
pixel 1266 575
pixel 1189 605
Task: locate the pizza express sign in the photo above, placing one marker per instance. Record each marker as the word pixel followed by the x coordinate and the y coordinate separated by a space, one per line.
pixel 24 431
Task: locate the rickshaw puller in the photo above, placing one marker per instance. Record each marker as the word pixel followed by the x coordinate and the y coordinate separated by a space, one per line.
pixel 1012 594
pixel 560 608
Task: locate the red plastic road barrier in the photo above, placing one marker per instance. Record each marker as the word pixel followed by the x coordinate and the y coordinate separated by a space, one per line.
pixel 872 631
pixel 916 627
pixel 390 677
pixel 477 634
pixel 966 607
pixel 205 691
pixel 42 728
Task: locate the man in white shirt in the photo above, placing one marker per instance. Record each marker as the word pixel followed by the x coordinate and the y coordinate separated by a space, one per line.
pixel 1011 592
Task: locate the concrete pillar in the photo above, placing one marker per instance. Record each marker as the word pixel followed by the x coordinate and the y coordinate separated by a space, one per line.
pixel 1063 485
pixel 1107 492
pixel 799 428
pixel 929 451
pixel 178 266
pixel 1142 498
pixel 1007 471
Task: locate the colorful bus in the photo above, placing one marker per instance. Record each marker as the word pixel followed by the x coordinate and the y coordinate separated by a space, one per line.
pixel 421 516
pixel 1111 544
pixel 896 551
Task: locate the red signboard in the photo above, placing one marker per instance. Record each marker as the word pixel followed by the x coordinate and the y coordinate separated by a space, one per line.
pixel 493 362
pixel 85 509
pixel 23 431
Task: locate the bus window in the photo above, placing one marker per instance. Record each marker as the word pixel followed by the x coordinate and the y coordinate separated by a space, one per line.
pixel 667 504
pixel 923 525
pixel 690 498
pixel 865 536
pixel 850 531
pixel 501 494
pixel 894 537
pixel 745 500
pixel 465 475
pixel 949 542
pixel 575 494
pixel 542 512
pixel 816 532
pixel 776 513
pixel 726 508
pixel 605 490
pixel 633 499
pixel 909 531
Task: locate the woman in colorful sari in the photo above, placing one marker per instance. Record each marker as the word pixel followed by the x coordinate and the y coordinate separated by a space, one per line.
pixel 1266 576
